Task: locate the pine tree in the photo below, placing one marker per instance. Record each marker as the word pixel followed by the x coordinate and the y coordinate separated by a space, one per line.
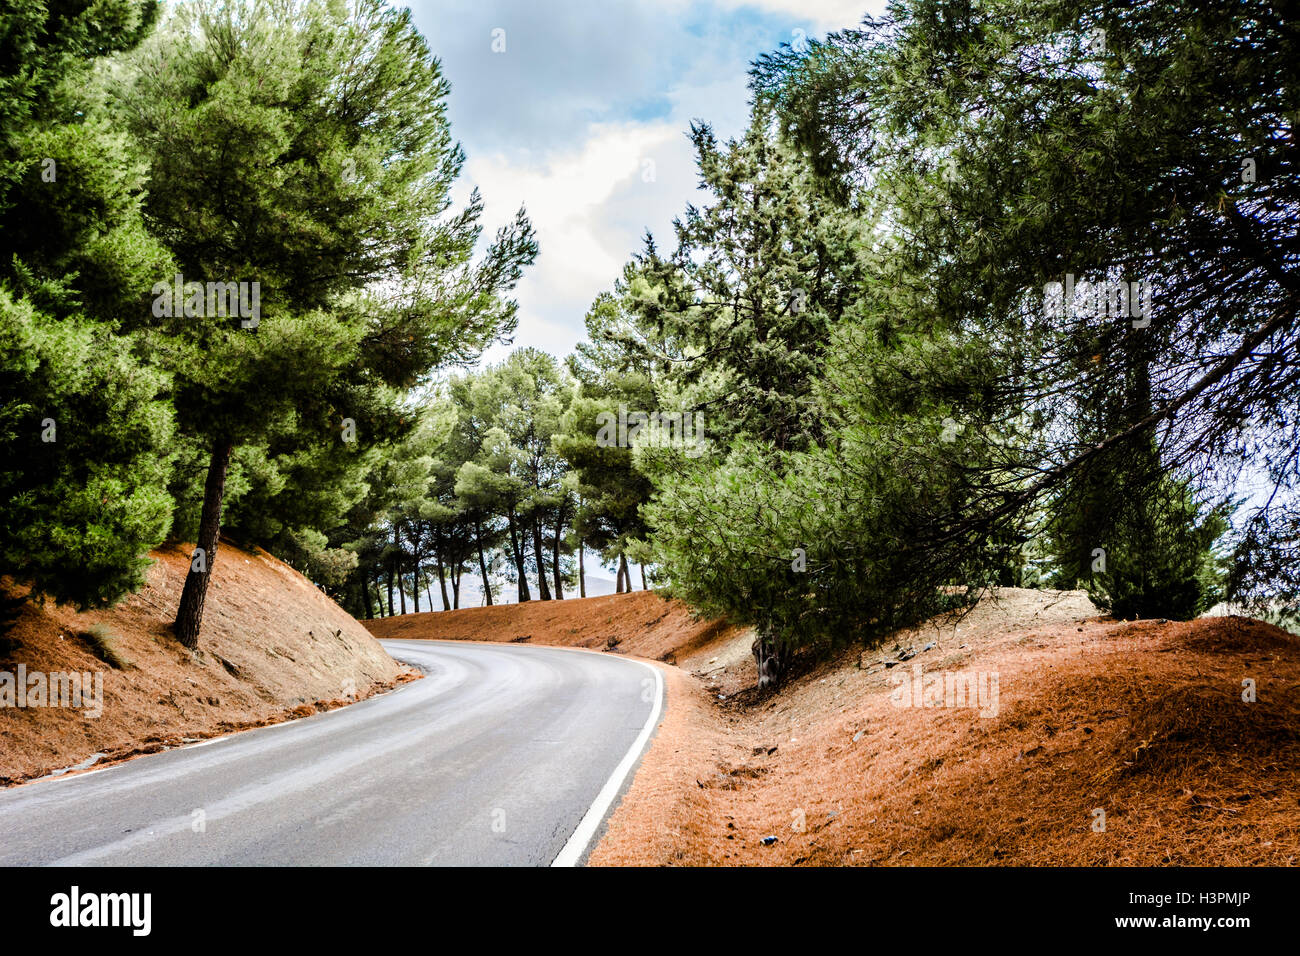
pixel 758 279
pixel 1080 143
pixel 616 369
pixel 305 148
pixel 517 407
pixel 84 419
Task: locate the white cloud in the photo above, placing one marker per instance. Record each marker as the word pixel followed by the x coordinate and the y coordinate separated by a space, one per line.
pixel 587 91
pixel 589 206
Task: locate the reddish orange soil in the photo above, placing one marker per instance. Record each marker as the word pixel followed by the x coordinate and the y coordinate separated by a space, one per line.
pixel 273 648
pixel 640 623
pixel 1137 727
pixel 1112 743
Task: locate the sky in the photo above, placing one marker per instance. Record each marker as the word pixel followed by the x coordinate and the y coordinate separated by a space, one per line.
pixel 578 110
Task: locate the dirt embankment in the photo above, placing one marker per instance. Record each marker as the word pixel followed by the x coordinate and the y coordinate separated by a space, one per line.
pixel 273 648
pixel 639 623
pixel 1083 741
pixel 1033 731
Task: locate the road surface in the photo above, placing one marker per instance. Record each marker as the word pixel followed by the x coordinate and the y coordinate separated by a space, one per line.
pixel 502 755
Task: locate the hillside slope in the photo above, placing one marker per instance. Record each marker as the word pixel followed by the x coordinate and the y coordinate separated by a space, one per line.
pixel 1106 743
pixel 1088 741
pixel 273 647
pixel 640 623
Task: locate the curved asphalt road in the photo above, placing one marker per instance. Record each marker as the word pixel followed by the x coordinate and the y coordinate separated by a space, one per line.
pixel 495 757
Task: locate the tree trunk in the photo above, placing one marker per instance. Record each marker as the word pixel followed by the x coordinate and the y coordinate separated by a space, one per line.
pixel 456 574
pixel 189 615
pixel 401 587
pixel 415 586
pixel 643 586
pixel 582 574
pixel 772 659
pixel 555 554
pixel 442 585
pixel 518 555
pixel 397 560
pixel 389 613
pixel 543 589
pixel 482 565
pixel 624 575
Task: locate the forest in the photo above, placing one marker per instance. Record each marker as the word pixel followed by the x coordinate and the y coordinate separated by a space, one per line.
pixel 987 293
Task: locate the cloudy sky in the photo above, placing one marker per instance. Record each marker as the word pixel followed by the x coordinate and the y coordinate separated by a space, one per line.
pixel 578 110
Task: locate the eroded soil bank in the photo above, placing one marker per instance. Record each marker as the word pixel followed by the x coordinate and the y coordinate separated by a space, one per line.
pixel 273 648
pixel 1034 731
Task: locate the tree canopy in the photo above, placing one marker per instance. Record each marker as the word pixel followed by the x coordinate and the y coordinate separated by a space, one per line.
pixel 985 293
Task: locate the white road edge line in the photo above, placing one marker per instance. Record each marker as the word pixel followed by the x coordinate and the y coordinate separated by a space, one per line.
pixel 577 845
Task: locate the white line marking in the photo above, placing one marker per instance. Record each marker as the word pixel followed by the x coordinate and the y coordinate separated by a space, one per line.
pixel 577 845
